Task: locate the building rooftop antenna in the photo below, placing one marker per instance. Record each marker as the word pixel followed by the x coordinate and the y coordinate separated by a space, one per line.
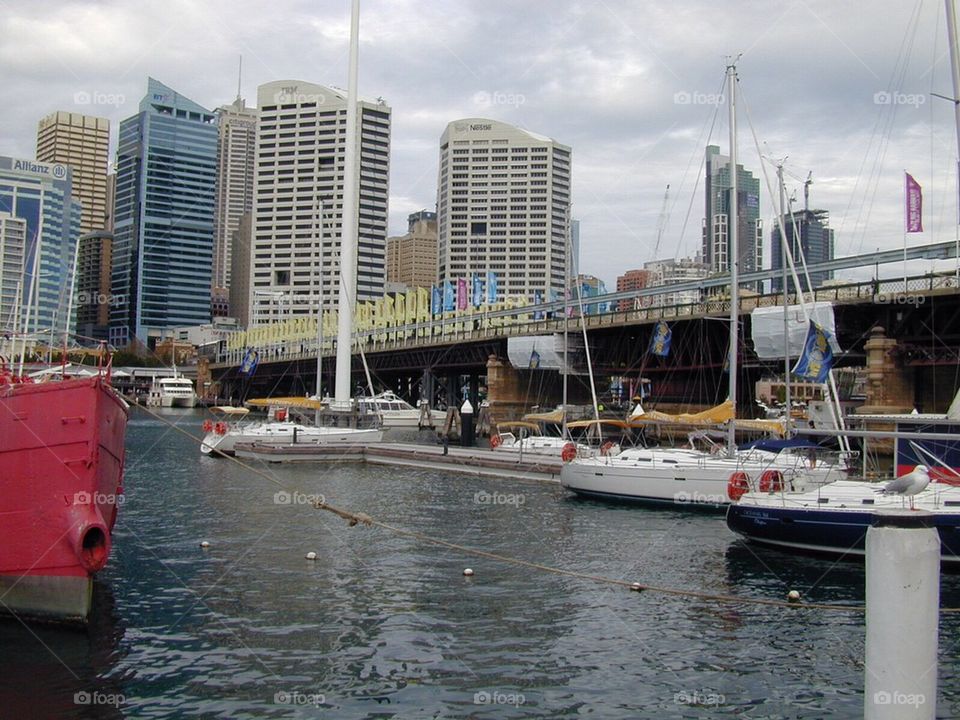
pixel 806 191
pixel 239 72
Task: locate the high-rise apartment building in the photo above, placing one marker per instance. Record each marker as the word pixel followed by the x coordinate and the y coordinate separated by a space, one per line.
pixel 83 143
pixel 631 280
pixel 236 155
pixel 298 205
pixel 813 236
pixel 716 237
pixel 502 204
pixel 412 258
pixel 40 195
pixel 93 298
pixel 163 229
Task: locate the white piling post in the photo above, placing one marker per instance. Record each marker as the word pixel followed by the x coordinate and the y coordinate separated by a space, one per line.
pixel 903 611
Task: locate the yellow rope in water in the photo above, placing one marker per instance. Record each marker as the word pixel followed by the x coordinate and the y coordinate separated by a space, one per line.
pixel 355 518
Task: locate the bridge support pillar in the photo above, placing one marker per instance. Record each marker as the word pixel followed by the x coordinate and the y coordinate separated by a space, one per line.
pixel 889 386
pixel 505 391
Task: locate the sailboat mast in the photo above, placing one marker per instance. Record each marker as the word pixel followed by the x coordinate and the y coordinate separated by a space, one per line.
pixel 786 307
pixel 566 324
pixel 733 258
pixel 348 227
pixel 955 74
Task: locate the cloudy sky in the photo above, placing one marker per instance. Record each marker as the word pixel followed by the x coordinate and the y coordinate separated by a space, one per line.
pixel 842 89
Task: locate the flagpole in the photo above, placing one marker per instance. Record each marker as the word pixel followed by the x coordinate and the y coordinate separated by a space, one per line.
pixel 906 220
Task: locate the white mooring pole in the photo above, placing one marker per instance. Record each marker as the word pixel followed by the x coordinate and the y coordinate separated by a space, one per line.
pixel 903 610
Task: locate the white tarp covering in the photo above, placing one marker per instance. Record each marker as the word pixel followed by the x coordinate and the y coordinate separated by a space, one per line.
pixel 546 352
pixel 767 329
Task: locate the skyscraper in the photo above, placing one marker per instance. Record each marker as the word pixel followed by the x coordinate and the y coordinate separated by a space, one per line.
pixel 82 142
pixel 502 205
pixel 93 298
pixel 13 241
pixel 815 239
pixel 299 199
pixel 163 229
pixel 40 195
pixel 236 155
pixel 716 238
pixel 412 258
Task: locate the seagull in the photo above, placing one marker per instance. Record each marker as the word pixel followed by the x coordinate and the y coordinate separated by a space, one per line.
pixel 910 484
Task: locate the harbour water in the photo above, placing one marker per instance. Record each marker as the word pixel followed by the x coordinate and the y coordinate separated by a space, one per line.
pixel 384 626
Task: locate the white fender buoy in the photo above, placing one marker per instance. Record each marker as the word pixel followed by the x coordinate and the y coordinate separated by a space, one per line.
pixel 468 572
pixel 793 596
pixel 311 555
pixel 636 587
pixel 204 544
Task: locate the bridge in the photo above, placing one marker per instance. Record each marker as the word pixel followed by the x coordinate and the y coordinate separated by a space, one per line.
pixel 461 349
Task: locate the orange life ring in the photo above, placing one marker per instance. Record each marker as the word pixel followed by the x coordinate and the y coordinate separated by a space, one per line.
pixel 771 481
pixel 495 441
pixel 738 485
pixel 220 428
pixel 607 447
pixel 569 452
pixel 207 425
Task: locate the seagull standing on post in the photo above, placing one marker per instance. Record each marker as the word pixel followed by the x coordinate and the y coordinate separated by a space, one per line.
pixel 910 484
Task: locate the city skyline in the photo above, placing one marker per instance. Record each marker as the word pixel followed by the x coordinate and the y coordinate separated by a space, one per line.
pixel 632 93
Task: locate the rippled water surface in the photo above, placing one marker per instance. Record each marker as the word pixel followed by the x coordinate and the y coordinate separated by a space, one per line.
pixel 386 626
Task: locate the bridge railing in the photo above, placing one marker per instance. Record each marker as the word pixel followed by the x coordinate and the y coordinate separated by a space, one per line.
pixel 518 321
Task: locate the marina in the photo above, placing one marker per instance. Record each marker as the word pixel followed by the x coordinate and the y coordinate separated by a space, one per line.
pixel 449 473
pixel 387 626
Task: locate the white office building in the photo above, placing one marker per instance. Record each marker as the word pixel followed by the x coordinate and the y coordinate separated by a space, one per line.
pixel 298 200
pixel 13 243
pixel 502 205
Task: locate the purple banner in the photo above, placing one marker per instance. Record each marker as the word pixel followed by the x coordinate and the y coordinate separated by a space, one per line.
pixel 914 205
pixel 462 294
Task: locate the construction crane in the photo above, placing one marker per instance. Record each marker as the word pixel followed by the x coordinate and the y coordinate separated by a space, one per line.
pixel 806 191
pixel 662 222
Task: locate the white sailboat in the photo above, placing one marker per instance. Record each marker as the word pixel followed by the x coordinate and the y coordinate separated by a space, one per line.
pixel 691 477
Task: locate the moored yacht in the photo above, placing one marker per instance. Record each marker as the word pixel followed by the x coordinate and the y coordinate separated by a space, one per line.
pixel 834 518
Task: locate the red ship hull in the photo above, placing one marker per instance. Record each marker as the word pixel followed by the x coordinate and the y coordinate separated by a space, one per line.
pixel 61 484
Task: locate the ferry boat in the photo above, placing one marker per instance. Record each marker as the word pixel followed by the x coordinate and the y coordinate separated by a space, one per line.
pixel 174 391
pixel 61 485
